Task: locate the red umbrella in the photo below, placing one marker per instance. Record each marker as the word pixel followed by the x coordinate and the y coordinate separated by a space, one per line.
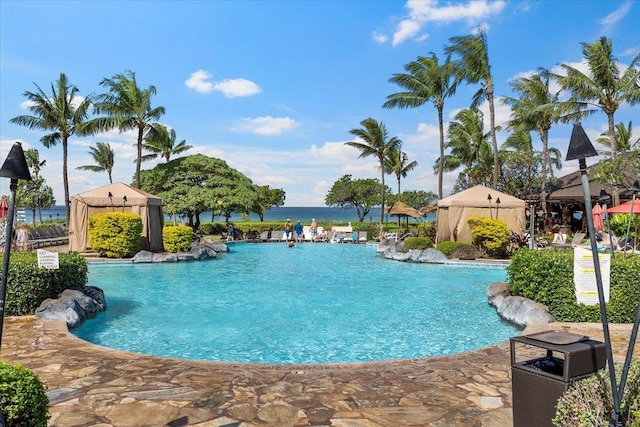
pixel 626 208
pixel 597 217
pixel 4 207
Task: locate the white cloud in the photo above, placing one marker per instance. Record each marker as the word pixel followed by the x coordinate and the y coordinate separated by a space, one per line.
pixel 422 12
pixel 198 81
pixel 266 125
pixel 615 16
pixel 77 100
pixel 231 88
pixel 379 37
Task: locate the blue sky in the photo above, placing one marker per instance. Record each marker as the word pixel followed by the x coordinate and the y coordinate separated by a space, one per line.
pixel 273 87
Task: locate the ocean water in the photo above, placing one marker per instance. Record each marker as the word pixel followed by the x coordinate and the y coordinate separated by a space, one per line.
pixel 313 303
pixel 302 214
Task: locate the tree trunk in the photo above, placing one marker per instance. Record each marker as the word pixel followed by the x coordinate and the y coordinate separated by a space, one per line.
pixel 545 155
pixel 614 148
pixel 382 192
pixel 494 141
pixel 139 158
pixel 65 179
pixel 441 161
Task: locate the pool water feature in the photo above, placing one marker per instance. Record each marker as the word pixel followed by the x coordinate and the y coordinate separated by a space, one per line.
pixel 313 303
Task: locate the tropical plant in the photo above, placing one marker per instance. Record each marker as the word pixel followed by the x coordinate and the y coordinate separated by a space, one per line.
pixel 161 141
pixel 34 195
pixel 23 398
pixel 397 162
pixel 103 155
pixel 32 156
pixel 375 143
pixel 473 66
pixel 126 107
pixel 64 113
pixel 603 86
pixel 624 139
pixel 538 108
pixel 268 198
pixel 426 80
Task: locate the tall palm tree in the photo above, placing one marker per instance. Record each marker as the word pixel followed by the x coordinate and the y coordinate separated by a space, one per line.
pixel 426 80
pixel 126 107
pixel 375 143
pixel 604 87
pixel 161 141
pixel 32 156
pixel 538 108
pixel 624 139
pixel 472 65
pixel 397 162
pixel 103 155
pixel 60 112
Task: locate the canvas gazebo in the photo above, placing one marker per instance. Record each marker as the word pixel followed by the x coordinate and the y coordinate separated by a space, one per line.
pixel 116 197
pixel 454 211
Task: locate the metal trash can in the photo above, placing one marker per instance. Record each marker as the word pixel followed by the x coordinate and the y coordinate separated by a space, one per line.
pixel 559 359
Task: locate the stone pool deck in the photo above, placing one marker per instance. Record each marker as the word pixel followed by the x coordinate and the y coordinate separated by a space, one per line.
pixel 90 385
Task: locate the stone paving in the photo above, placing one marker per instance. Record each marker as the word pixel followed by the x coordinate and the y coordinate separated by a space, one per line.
pixel 89 385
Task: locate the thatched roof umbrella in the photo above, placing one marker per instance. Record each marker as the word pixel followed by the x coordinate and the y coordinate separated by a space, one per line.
pixel 433 207
pixel 400 209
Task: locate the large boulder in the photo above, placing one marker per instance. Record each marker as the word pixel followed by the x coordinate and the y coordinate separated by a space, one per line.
pixel 74 306
pixel 515 309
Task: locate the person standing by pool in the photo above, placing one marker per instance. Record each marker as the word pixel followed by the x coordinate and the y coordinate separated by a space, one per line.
pixel 299 232
pixel 22 238
pixel 314 230
pixel 287 229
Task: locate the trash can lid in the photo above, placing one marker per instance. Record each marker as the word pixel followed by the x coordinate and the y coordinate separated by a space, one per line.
pixel 557 337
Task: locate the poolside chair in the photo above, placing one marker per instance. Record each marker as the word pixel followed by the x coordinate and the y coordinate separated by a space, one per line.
pixel 277 236
pixel 576 241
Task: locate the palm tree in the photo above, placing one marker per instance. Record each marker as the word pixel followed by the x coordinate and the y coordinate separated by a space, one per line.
pixel 624 139
pixel 468 144
pixel 426 80
pixel 103 155
pixel 375 142
pixel 161 141
pixel 397 162
pixel 32 156
pixel 127 107
pixel 538 109
pixel 473 66
pixel 604 87
pixel 60 112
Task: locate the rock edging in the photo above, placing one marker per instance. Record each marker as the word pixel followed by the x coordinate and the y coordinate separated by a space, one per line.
pixel 393 250
pixel 515 309
pixel 74 306
pixel 199 251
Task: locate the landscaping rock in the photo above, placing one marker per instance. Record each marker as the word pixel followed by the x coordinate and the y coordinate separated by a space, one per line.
pixel 74 306
pixel 515 309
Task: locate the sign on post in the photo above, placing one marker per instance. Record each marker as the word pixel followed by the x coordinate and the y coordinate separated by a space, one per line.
pixel 584 276
pixel 48 260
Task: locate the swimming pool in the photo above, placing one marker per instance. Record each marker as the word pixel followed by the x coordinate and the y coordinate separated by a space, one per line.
pixel 315 303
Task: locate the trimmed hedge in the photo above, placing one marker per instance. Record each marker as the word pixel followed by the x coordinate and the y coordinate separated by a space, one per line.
pixel 23 401
pixel 490 235
pixel 448 247
pixel 115 234
pixel 177 238
pixel 28 285
pixel 547 277
pixel 421 243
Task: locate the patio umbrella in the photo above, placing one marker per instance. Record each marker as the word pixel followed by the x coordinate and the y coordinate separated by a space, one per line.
pixel 626 208
pixel 400 209
pixel 597 217
pixel 4 207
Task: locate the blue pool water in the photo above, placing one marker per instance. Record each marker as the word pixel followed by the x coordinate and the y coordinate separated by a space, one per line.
pixel 315 303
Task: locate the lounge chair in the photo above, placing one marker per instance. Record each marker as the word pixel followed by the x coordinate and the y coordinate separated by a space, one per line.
pixel 277 236
pixel 362 237
pixel 576 241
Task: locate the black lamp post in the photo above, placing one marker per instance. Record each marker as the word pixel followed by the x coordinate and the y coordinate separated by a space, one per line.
pixel 580 148
pixel 490 211
pixel 604 198
pixel 15 168
pixel 497 206
pixel 124 202
pixel 110 196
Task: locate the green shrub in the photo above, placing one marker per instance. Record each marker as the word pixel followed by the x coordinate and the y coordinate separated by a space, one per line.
pixel 588 403
pixel 115 234
pixel 490 235
pixel 547 277
pixel 23 401
pixel 421 243
pixel 177 238
pixel 28 285
pixel 620 222
pixel 448 247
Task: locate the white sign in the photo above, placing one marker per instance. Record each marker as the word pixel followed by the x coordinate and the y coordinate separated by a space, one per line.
pixel 584 276
pixel 48 260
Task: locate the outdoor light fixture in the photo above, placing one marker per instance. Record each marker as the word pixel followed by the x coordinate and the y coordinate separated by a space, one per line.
pixel 111 200
pixel 490 211
pixel 124 202
pixel 15 168
pixel 580 148
pixel 603 198
pixel 497 206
